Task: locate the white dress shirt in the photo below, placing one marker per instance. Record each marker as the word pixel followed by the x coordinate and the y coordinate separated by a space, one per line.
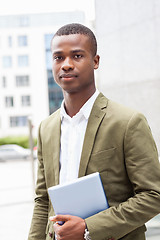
pixel 72 137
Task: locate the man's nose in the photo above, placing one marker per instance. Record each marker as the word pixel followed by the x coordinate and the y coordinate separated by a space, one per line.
pixel 67 64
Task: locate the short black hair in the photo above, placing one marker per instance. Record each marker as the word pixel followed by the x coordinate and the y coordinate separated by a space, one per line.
pixel 76 28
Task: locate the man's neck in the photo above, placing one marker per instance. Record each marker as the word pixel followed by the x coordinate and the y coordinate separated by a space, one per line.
pixel 74 101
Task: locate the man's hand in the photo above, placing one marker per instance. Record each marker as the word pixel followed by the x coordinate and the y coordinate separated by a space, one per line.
pixel 72 229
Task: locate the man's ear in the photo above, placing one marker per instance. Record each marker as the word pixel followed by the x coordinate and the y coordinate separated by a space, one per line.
pixel 96 61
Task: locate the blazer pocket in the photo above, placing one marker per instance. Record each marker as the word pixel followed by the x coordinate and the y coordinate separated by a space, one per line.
pixel 100 161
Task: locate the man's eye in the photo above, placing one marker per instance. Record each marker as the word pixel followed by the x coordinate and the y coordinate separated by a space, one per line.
pixel 78 56
pixel 57 57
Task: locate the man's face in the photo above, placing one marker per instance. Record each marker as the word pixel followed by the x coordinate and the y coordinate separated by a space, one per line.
pixel 73 62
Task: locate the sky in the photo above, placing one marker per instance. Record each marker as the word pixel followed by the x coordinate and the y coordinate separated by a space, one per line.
pixel 9 7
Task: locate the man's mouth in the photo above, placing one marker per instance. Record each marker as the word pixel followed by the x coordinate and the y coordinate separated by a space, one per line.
pixel 68 76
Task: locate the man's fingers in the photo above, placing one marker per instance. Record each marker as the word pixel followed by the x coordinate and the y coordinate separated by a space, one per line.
pixel 61 218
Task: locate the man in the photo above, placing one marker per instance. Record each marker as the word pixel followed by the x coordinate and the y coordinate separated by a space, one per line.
pixel 90 133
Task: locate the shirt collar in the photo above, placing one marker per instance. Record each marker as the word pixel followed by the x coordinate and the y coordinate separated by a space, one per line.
pixel 85 109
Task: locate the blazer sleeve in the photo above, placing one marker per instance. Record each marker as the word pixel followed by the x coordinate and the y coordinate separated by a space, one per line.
pixel 143 169
pixel 40 213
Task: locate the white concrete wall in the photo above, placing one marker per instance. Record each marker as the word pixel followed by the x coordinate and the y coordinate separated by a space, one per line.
pixel 128 35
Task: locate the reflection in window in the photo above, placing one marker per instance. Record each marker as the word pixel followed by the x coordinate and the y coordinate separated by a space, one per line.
pixel 55 99
pixel 22 81
pixel 22 41
pixel 7 61
pixel 18 121
pixel 51 82
pixel 54 91
pixel 26 101
pixel 9 101
pixel 23 61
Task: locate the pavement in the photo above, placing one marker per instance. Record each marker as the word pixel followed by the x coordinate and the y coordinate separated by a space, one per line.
pixel 16 202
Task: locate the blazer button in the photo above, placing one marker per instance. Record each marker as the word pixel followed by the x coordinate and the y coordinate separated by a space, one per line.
pixel 51 235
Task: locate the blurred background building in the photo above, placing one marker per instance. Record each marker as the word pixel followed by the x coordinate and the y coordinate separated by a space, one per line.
pixel 27 87
pixel 128 35
pixel 128 43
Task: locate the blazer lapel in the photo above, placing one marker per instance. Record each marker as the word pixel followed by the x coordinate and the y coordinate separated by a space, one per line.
pixel 56 128
pixel 96 116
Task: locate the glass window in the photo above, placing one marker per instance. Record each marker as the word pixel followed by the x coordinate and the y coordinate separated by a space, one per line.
pixel 22 81
pixel 9 101
pixel 55 99
pixel 51 82
pixel 18 121
pixel 48 59
pixel 47 39
pixel 23 61
pixel 54 91
pixel 4 82
pixel 7 61
pixel 10 41
pixel 22 41
pixel 24 21
pixel 26 100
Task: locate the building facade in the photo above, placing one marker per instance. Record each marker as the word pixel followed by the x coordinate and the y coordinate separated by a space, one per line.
pixel 129 46
pixel 27 87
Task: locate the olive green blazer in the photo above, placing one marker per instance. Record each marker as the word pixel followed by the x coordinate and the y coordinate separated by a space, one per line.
pixel 119 145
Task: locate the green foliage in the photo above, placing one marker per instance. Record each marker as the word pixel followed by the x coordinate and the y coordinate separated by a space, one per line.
pixel 19 140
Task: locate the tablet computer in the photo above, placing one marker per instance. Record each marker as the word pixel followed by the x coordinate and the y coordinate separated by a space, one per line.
pixel 82 197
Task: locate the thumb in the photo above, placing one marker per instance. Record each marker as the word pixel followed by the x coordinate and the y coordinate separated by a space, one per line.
pixel 62 218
